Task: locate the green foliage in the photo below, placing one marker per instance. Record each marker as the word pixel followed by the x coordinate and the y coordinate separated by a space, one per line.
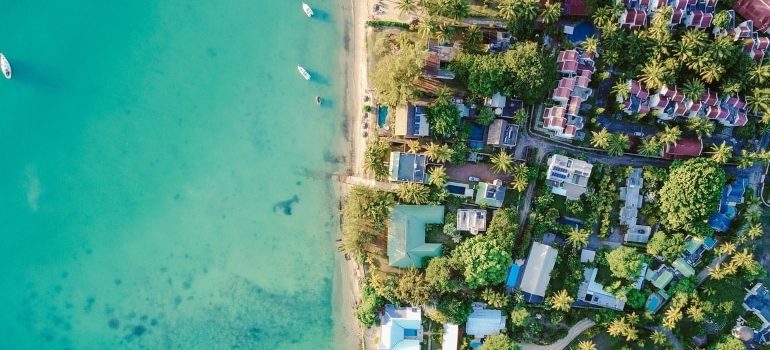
pixel 667 246
pixel 523 71
pixel 456 9
pixel 484 261
pixel 374 158
pixel 520 317
pixel 728 343
pixel 625 262
pixel 503 227
pixel 396 74
pixel 685 286
pixel 364 216
pixel 485 116
pixel 452 309
pixel 635 299
pixel 366 312
pixel 498 342
pixel 691 194
pixel 381 23
pixel 413 193
pixel 439 273
pixel 412 288
pixel 443 118
pixel 494 298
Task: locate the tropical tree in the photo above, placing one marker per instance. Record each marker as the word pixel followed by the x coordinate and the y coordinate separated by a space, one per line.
pixel 484 261
pixel 591 44
pixel 586 345
pixel 551 12
pixel 600 139
pixel 374 156
pixel 406 6
pixel 494 298
pixel 650 147
pixel 413 193
pixel 560 301
pixel 618 144
pixel 726 248
pixel 721 19
pixel 759 100
pixel 721 153
pixel 412 287
pixel 693 88
pixel 691 194
pixel 502 163
pixel 426 28
pixel 672 317
pixel 670 135
pixel 506 9
pixel 520 116
pixel 438 153
pixel 658 338
pixel 624 262
pixel 654 74
pixel 578 238
pixel 443 118
pixel 759 74
pixel 701 127
pixel 437 176
pixel 498 342
pixel 438 274
pixel 755 231
pixel 413 146
pixel 746 159
pixel 472 39
pixel 605 17
pixel 519 174
pixel 712 72
pixel 396 75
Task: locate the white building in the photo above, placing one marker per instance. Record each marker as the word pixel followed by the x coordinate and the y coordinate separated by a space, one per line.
pixel 401 328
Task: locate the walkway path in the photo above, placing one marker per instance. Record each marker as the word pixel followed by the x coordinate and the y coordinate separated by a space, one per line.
pixel 562 343
pixel 672 338
pixel 355 180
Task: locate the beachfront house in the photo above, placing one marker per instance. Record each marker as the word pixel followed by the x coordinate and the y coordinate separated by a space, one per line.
pixel 502 134
pixel 537 272
pixel 732 195
pixel 568 176
pixel 439 56
pixel 407 167
pixel 406 234
pixel 401 328
pixel 490 194
pixel 472 220
pixel 411 121
pixel 484 322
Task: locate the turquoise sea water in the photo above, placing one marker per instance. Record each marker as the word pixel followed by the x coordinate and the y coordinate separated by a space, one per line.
pixel 164 175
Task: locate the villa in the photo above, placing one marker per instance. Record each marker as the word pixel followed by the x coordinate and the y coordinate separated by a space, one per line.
pixel 490 194
pixel 438 58
pixel 591 293
pixel 633 200
pixel 401 328
pixel 567 176
pixel 661 277
pixel 502 134
pixel 637 99
pixel 537 272
pixel 484 322
pixel 732 195
pixel 411 121
pixel 407 167
pixel 683 149
pixel 758 11
pixel 503 106
pixel 406 234
pixel 572 90
pixel 472 220
pixel 757 301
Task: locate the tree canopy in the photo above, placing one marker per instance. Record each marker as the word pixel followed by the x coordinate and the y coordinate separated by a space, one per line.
pixel 625 262
pixel 438 274
pixel 443 118
pixel 667 246
pixel 691 193
pixel 484 261
pixel 498 342
pixel 396 74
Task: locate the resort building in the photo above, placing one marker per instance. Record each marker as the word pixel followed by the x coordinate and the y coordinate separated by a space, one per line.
pixel 451 338
pixel 637 99
pixel 472 220
pixel 502 134
pixel 683 149
pixel 490 194
pixel 732 195
pixel 411 121
pixel 407 167
pixel 572 90
pixel 406 234
pixel 568 176
pixel 401 328
pixel 757 301
pixel 757 11
pixel 537 272
pixel 591 293
pixel 438 58
pixel 695 248
pixel 661 277
pixel 503 106
pixel 484 322
pixel 633 199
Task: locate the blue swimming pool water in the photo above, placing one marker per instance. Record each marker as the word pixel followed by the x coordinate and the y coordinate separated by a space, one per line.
pixel 582 31
pixel 454 189
pixel 382 115
pixel 410 332
pixel 476 139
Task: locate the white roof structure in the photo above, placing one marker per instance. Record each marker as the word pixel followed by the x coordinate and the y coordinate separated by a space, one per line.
pixel 401 328
pixel 496 101
pixel 568 176
pixel 631 195
pixel 537 272
pixel 451 337
pixel 483 322
pixel 587 255
pixel 593 293
pixel 473 220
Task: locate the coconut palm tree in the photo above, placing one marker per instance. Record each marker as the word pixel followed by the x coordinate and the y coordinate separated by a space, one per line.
pixel 695 312
pixel 472 39
pixel 413 193
pixel 586 345
pixel 527 10
pixel 650 147
pixel 718 272
pixel 742 258
pixel 700 126
pixel 621 89
pixel 605 17
pixel 693 39
pixel 551 12
pixel 426 28
pixel 746 159
pixel 591 44
pixel 437 176
pixel 693 88
pixel 520 116
pixel 759 100
pixel 438 153
pixel 755 231
pixel 698 62
pixel 670 135
pixel 721 47
pixel 726 248
pixel 618 144
pixel 519 177
pixel 654 75
pixel 712 72
pixel 443 96
pixel 413 146
pixel 600 139
pixel 721 153
pixel 494 299
pixel 578 238
pixel 374 156
pixel 502 163
pixel 672 317
pixel 759 73
pixel 506 9
pixel 658 338
pixel 406 6
pixel 560 301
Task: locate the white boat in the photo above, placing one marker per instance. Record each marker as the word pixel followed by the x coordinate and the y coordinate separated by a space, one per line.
pixel 5 66
pixel 307 9
pixel 304 73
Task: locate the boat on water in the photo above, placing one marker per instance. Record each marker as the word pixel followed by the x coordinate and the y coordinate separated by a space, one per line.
pixel 307 9
pixel 318 100
pixel 5 66
pixel 304 73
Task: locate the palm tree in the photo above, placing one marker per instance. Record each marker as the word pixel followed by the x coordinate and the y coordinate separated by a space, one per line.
pixel 605 17
pixel 578 238
pixel 438 153
pixel 700 127
pixel 721 47
pixel 600 139
pixel 406 6
pixel 459 9
pixel 721 19
pixel 506 9
pixel 551 12
pixel 695 312
pixel 670 135
pixel 718 272
pixel 693 39
pixel 519 177
pixel 618 144
pixel 654 75
pixel 527 9
pixel 413 193
pixel 472 39
pixel 759 100
pixel 650 147
pixel 502 163
pixel 403 41
pixel 494 299
pixel 374 155
pixel 560 301
pixel 586 345
pixel 759 73
pixel 727 248
pixel 693 88
pixel 622 90
pixel 721 153
pixel 755 231
pixel 712 72
pixel 437 176
pixel 591 44
pixel 658 338
pixel 672 317
pixel 413 146
pixel 743 258
pixel 746 159
pixel 443 96
pixel 520 116
pixel 426 28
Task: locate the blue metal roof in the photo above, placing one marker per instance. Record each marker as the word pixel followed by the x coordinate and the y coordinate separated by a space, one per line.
pixel 513 276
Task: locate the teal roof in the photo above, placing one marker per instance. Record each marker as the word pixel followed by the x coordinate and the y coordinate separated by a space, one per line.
pixel 406 234
pixel 660 278
pixel 490 194
pixel 683 267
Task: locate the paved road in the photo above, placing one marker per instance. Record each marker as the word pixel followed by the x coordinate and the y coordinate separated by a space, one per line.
pixel 562 343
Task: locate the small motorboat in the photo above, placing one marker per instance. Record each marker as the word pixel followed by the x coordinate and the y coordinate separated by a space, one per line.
pixel 304 73
pixel 318 100
pixel 5 66
pixel 307 9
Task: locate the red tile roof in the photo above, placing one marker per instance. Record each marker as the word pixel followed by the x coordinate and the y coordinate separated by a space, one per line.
pixel 561 93
pixel 684 148
pixel 567 66
pixel 582 81
pixel 567 55
pixel 567 83
pixel 574 105
pixel 709 98
pixel 570 130
pixel 756 10
pixel 741 119
pixel 574 7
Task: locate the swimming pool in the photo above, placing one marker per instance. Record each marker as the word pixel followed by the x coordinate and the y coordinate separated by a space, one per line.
pixel 382 115
pixel 581 32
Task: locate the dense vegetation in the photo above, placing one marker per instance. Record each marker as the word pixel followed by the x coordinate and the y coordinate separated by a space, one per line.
pixel 691 194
